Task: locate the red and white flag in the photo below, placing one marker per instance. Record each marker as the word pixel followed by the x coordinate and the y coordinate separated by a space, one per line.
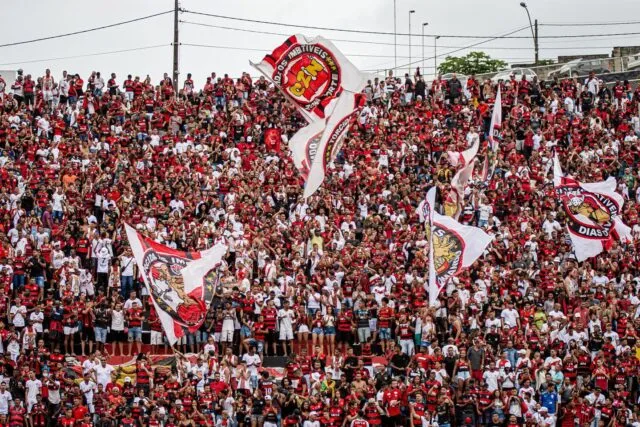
pixel 495 135
pixel 330 141
pixel 463 158
pixel 593 213
pixel 304 146
pixel 180 301
pixel 452 246
pixel 458 184
pixel 311 72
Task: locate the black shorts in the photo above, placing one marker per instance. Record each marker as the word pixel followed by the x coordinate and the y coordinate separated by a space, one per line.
pixel 272 336
pixel 344 336
pixel 88 333
pixel 119 336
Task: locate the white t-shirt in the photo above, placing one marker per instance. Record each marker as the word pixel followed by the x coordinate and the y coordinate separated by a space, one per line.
pixel 33 389
pixel 104 258
pixel 252 363
pixel 5 398
pixel 88 366
pixel 286 318
pixel 57 200
pixel 491 378
pixel 510 317
pixel 37 319
pixel 129 303
pixel 127 265
pixel 18 314
pixel 87 388
pixel 103 374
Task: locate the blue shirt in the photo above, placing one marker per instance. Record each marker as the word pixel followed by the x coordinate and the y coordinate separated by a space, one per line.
pixel 549 400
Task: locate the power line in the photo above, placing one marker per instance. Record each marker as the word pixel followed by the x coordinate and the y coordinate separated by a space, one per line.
pixel 462 48
pixel 266 50
pixel 586 24
pixel 344 30
pixel 246 30
pixel 385 33
pixel 88 30
pixel 87 54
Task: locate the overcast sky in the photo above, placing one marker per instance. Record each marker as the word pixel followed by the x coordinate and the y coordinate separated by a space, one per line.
pixel 29 19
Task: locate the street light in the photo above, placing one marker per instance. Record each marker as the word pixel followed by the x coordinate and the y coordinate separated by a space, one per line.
pixel 411 12
pixel 435 55
pixel 533 33
pixel 424 24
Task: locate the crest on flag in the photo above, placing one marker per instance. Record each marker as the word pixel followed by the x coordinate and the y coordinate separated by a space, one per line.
pixel 591 213
pixel 448 249
pixel 311 72
pixel 307 72
pixel 452 246
pixel 164 274
pixel 181 284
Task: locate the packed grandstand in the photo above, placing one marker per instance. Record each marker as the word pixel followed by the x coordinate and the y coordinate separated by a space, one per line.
pixel 337 282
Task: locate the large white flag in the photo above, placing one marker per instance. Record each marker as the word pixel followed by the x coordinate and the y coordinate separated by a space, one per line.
pixel 495 135
pixel 180 301
pixel 593 213
pixel 311 72
pixel 458 184
pixel 452 246
pixel 324 151
pixel 463 158
pixel 304 146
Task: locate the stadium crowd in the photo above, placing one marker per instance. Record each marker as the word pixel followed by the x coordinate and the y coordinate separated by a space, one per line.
pixel 526 337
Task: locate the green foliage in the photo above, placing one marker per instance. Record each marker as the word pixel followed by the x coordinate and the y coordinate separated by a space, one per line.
pixel 473 63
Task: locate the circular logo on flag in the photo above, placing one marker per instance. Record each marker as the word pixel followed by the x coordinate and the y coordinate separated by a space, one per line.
pixel 167 288
pixel 448 249
pixel 591 214
pixel 308 73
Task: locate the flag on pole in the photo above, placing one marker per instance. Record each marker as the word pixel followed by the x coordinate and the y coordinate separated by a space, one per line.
pixel 495 135
pixel 458 184
pixel 452 246
pixel 311 72
pixel 330 141
pixel 429 207
pixel 593 213
pixel 463 158
pixel 180 302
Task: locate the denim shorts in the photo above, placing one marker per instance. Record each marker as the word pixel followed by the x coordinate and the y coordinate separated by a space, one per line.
pixel 385 333
pixel 101 334
pixel 135 334
pixel 330 330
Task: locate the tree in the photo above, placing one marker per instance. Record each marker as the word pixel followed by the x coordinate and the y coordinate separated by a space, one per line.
pixel 473 63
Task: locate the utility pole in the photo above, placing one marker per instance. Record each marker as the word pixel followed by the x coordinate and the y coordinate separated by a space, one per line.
pixel 176 46
pixel 411 12
pixel 435 56
pixel 395 37
pixel 535 38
